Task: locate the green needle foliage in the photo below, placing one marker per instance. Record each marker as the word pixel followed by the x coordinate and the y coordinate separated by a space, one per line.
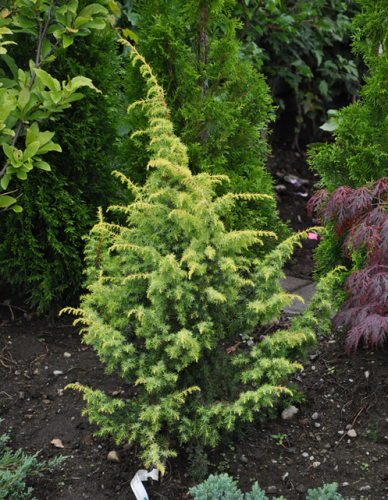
pixel 170 291
pixel 219 104
pixel 223 487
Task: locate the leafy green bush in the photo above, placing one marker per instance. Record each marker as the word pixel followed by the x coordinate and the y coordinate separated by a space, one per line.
pixel 170 292
pixel 223 487
pixel 359 154
pixel 219 104
pixel 41 249
pixel 305 45
pixel 15 467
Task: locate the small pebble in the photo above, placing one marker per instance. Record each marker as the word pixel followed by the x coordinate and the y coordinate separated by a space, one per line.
pixel 345 484
pixel 66 355
pixel 341 432
pixel 313 368
pixel 316 464
pixel 365 488
pixel 272 489
pixel 352 433
pixel 305 454
pixel 349 426
pixel 250 343
pixel 244 459
pixel 317 424
pixel 58 372
pixel 289 413
pixel 315 415
pixel 113 457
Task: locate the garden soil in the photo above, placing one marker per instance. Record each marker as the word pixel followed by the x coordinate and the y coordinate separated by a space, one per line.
pixel 340 433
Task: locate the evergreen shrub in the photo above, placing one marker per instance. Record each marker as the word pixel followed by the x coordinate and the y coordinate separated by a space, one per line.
pixel 219 104
pixel 15 467
pixel 223 487
pixel 41 248
pixel 169 293
pixel 359 154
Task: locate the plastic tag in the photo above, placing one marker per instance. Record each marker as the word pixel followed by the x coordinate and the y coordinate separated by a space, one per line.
pixel 137 484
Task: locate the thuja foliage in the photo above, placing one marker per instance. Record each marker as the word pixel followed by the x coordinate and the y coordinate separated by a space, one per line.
pixel 360 218
pixel 41 249
pixel 15 467
pixel 357 157
pixel 223 487
pixel 359 154
pixel 169 292
pixel 304 43
pixel 219 104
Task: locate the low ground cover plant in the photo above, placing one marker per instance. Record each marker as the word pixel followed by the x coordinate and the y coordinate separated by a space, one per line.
pixel 15 467
pixel 222 487
pixel 169 293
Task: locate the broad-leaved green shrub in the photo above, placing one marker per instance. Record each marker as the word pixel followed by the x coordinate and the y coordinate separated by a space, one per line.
pixel 169 293
pixel 219 104
pixel 305 45
pixel 223 487
pixel 41 248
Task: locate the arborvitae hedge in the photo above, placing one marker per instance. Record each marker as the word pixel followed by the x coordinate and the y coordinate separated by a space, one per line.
pixel 41 248
pixel 219 104
pixel 359 154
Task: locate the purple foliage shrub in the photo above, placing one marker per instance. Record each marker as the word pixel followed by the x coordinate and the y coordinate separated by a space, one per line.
pixel 361 215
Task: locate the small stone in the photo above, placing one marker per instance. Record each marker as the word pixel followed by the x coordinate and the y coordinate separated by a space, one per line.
pixel 313 368
pixel 22 395
pixel 243 459
pixel 304 421
pixel 365 488
pixel 305 454
pixel 36 371
pixel 250 343
pixel 17 372
pixel 113 457
pixel 315 415
pixel 349 426
pixel 341 432
pixel 313 357
pixel 272 489
pixel 88 440
pixel 352 433
pixel 60 392
pixel 289 413
pixel 280 188
pixel 301 488
pixel 316 464
pixel 292 449
pixel 366 374
pixel 311 458
pixel 46 401
pixel 345 484
pixel 317 424
pixel 327 446
pixel 58 372
pixel 285 476
pixel 66 355
pixel 128 446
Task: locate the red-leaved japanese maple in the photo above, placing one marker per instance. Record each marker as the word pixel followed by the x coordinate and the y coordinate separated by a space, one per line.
pixel 361 216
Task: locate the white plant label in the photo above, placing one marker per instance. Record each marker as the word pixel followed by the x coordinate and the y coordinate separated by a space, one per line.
pixel 137 482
